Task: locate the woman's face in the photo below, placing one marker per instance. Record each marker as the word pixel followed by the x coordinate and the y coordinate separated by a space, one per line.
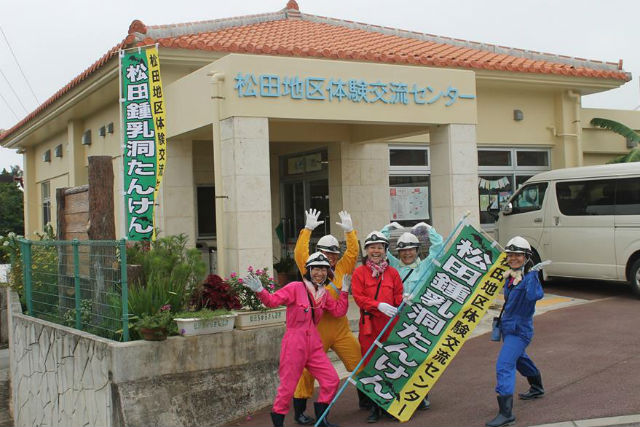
pixel 332 257
pixel 318 274
pixel 408 256
pixel 376 252
pixel 515 261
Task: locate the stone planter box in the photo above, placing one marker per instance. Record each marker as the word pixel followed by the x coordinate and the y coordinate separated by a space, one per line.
pixel 196 326
pixel 258 319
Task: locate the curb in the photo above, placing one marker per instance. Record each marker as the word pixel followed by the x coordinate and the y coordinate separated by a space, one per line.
pixel 623 420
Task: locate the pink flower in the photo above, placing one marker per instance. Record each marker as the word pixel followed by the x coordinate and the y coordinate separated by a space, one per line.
pixel 250 269
pixel 233 275
pixel 165 307
pixel 240 280
pixel 271 279
pixel 259 272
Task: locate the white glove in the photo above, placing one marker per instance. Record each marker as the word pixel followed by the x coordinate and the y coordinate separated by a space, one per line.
pixel 387 310
pixel 407 298
pixel 346 224
pixel 394 225
pixel 346 283
pixel 420 225
pixel 253 283
pixel 312 219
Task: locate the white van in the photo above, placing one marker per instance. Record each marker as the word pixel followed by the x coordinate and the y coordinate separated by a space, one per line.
pixel 586 220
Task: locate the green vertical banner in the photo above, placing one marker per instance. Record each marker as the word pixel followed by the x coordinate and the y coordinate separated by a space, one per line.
pixel 431 330
pixel 144 151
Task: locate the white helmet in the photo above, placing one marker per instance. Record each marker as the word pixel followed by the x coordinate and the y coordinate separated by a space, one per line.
pixel 518 245
pixel 328 243
pixel 376 237
pixel 317 259
pixel 407 241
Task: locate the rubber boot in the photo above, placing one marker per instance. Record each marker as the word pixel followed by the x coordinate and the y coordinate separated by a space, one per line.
pixel 320 408
pixel 425 404
pixel 277 419
pixel 363 400
pixel 299 406
pixel 374 414
pixel 504 417
pixel 535 391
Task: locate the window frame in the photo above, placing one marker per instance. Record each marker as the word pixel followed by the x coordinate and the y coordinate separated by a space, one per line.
pixel 513 172
pixel 45 203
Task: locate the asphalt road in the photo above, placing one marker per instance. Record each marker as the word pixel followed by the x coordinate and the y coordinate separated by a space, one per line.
pixel 588 355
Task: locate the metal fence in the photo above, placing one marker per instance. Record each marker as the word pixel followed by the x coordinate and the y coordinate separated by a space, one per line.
pixel 81 284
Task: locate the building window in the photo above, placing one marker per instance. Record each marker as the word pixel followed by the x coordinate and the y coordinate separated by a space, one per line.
pixel 409 185
pixel 206 200
pixel 45 190
pixel 501 172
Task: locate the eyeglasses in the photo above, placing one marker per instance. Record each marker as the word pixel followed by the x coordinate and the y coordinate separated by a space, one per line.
pixel 407 245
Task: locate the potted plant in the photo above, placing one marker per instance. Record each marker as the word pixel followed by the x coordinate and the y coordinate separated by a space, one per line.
pixel 205 321
pixel 170 274
pixel 286 268
pixel 155 327
pixel 254 313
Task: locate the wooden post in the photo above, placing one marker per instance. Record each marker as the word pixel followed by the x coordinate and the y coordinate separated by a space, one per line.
pixel 101 216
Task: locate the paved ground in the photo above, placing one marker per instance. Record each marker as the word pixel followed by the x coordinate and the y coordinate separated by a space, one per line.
pixel 587 350
pixel 5 421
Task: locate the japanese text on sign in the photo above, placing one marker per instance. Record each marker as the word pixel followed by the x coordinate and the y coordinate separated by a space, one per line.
pixel 429 332
pixel 144 153
pixel 338 90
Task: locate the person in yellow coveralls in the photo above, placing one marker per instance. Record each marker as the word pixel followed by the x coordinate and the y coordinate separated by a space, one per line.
pixel 334 331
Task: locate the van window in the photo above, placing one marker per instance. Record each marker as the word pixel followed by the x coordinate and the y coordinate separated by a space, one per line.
pixel 586 197
pixel 628 196
pixel 529 198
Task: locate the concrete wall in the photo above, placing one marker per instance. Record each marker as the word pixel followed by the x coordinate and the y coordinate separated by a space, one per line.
pixel 65 377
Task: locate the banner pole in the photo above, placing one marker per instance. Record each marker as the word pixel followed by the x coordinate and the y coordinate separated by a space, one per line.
pixel 355 370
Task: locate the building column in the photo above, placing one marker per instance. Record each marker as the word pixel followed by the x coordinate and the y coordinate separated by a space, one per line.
pixel 76 158
pixel 246 195
pixel 454 175
pixel 364 179
pixel 32 204
pixel 176 207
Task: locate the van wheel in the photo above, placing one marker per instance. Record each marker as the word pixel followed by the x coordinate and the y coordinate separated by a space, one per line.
pixel 634 277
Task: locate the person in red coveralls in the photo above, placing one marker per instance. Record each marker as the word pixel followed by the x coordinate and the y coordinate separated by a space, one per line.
pixel 377 289
pixel 301 345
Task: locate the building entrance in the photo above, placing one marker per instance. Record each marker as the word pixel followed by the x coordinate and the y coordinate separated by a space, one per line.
pixel 304 184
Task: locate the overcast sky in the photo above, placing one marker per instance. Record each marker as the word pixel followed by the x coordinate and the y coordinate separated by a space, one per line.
pixel 55 41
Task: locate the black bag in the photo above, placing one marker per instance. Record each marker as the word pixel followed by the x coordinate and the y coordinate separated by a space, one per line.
pixel 495 329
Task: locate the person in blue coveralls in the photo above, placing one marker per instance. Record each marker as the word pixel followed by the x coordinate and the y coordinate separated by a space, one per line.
pixel 409 265
pixel 521 291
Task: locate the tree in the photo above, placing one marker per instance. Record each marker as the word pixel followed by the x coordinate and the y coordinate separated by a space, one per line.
pixel 628 133
pixel 11 202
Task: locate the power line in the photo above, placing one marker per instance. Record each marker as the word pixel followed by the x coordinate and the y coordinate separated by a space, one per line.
pixel 14 92
pixel 18 64
pixel 9 106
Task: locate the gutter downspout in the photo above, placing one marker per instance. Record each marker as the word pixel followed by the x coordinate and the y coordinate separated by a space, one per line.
pixel 216 80
pixel 576 97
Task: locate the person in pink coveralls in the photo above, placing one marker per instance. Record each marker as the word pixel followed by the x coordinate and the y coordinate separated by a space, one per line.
pixel 301 345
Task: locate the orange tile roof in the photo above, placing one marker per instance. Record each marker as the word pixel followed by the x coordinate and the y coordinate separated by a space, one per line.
pixel 291 33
